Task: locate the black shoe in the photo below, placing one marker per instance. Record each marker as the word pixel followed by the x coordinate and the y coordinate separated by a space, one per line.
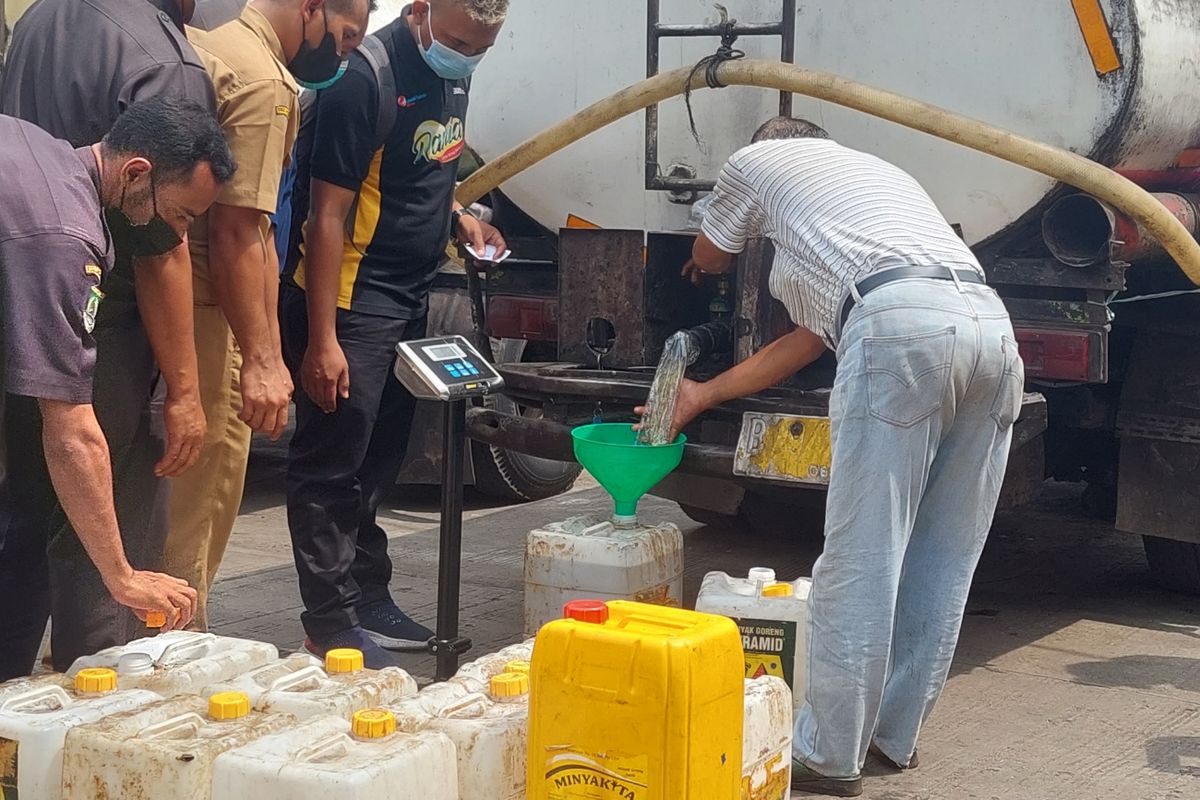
pixel 804 779
pixel 913 762
pixel 374 656
pixel 392 629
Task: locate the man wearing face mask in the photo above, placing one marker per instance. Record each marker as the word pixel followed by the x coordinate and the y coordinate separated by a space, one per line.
pixel 159 166
pixel 74 67
pixel 352 297
pixel 256 63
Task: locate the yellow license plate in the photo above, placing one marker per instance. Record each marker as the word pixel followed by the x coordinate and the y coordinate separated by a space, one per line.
pixel 783 448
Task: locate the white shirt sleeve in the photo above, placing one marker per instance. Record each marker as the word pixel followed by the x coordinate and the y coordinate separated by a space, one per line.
pixel 734 214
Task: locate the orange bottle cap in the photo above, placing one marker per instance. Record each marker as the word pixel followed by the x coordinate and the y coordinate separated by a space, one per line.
pixel 594 611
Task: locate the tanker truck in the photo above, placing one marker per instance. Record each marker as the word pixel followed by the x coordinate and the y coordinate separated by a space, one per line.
pixel 1106 321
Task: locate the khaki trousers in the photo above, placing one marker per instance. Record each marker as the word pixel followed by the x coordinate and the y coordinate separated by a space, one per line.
pixel 205 500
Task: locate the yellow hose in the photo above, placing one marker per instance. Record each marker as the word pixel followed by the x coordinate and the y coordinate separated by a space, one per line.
pixel 1069 168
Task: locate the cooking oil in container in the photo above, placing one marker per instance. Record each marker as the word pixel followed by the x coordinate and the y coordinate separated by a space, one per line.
pixel 590 557
pixel 636 701
pixel 300 685
pixel 490 734
pixel 166 750
pixel 180 662
pixel 363 758
pixel 772 617
pixel 477 675
pixel 35 715
pixel 767 740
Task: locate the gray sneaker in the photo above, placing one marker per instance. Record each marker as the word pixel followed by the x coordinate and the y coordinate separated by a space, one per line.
pixel 805 779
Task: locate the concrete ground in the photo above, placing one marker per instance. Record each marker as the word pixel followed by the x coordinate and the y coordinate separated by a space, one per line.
pixel 1076 678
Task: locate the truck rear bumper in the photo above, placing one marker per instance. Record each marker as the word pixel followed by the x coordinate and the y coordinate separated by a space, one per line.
pixel 563 386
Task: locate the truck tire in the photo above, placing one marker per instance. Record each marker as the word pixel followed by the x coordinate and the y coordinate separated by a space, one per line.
pixel 1174 564
pixel 507 474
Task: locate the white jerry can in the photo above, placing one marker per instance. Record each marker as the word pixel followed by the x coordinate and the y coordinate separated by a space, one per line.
pixel 299 685
pixel 773 619
pixel 477 675
pixel 328 757
pixel 490 733
pixel 590 558
pixel 35 715
pixel 767 739
pixel 165 750
pixel 179 662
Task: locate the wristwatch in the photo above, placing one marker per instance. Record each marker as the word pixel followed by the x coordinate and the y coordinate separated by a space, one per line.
pixel 456 215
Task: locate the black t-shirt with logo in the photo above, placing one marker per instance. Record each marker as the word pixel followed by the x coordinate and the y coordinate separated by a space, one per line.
pixel 401 220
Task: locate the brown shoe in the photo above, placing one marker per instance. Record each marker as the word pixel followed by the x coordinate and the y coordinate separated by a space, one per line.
pixel 913 762
pixel 804 779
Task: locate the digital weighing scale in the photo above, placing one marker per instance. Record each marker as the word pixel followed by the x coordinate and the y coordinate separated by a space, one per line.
pixel 449 370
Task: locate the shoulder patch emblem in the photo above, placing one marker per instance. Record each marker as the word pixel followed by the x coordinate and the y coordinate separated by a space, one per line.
pixel 91 306
pixel 283 111
pixel 94 271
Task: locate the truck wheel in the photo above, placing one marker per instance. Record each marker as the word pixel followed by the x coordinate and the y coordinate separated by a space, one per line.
pixel 1174 564
pixel 507 474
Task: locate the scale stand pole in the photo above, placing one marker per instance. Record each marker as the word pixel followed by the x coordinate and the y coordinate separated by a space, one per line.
pixel 448 645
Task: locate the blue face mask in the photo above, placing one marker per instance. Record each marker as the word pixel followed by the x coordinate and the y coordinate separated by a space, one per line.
pixel 446 62
pixel 317 86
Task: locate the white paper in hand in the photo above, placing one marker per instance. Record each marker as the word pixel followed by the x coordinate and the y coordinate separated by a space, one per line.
pixel 489 253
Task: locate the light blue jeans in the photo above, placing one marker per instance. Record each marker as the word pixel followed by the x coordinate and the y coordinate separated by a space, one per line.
pixel 929 384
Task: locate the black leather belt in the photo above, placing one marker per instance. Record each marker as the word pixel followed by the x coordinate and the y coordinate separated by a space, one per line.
pixel 884 277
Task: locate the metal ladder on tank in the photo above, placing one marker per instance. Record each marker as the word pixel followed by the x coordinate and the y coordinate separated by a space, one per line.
pixel 686 186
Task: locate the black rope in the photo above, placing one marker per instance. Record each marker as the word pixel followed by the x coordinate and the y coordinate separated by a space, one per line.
pixel 711 66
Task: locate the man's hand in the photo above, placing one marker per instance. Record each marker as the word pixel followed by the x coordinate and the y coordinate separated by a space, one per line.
pixel 692 400
pixel 479 234
pixel 266 393
pixel 185 426
pixel 692 271
pixel 325 375
pixel 152 591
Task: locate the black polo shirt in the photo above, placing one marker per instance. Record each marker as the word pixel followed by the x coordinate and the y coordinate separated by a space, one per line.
pixel 405 190
pixel 54 252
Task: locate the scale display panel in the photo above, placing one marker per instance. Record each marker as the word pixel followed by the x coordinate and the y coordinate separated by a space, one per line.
pixel 444 368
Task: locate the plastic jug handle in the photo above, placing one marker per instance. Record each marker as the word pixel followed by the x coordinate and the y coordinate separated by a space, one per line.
pixel 176 649
pixel 36 696
pixel 191 721
pixel 337 744
pixel 300 676
pixel 471 705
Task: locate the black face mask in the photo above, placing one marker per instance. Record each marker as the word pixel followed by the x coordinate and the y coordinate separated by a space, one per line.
pixel 313 66
pixel 155 238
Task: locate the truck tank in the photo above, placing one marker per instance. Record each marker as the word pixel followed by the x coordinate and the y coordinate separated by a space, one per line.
pixel 1116 80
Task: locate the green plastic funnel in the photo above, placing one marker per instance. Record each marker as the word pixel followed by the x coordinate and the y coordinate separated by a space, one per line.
pixel 625 468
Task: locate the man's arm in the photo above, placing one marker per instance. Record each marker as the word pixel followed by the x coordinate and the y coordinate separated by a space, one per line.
pixel 240 265
pixel 781 359
pixel 78 462
pixel 325 375
pixel 164 292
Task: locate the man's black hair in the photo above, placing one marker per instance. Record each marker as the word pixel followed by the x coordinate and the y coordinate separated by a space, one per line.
pixel 788 128
pixel 347 6
pixel 174 134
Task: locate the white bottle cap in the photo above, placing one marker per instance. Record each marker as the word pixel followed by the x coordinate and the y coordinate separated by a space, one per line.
pixel 135 664
pixel 762 575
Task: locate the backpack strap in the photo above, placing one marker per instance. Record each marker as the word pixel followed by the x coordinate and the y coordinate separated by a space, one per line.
pixel 376 54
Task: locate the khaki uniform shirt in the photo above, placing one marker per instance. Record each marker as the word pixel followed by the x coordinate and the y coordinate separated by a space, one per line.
pixel 258 107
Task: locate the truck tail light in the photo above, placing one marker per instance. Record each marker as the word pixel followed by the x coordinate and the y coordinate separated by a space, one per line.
pixel 1063 355
pixel 531 318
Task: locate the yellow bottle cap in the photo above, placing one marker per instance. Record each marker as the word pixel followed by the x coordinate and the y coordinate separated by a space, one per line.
pixel 373 723
pixel 156 619
pixel 522 667
pixel 96 681
pixel 778 590
pixel 228 705
pixel 509 684
pixel 343 661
